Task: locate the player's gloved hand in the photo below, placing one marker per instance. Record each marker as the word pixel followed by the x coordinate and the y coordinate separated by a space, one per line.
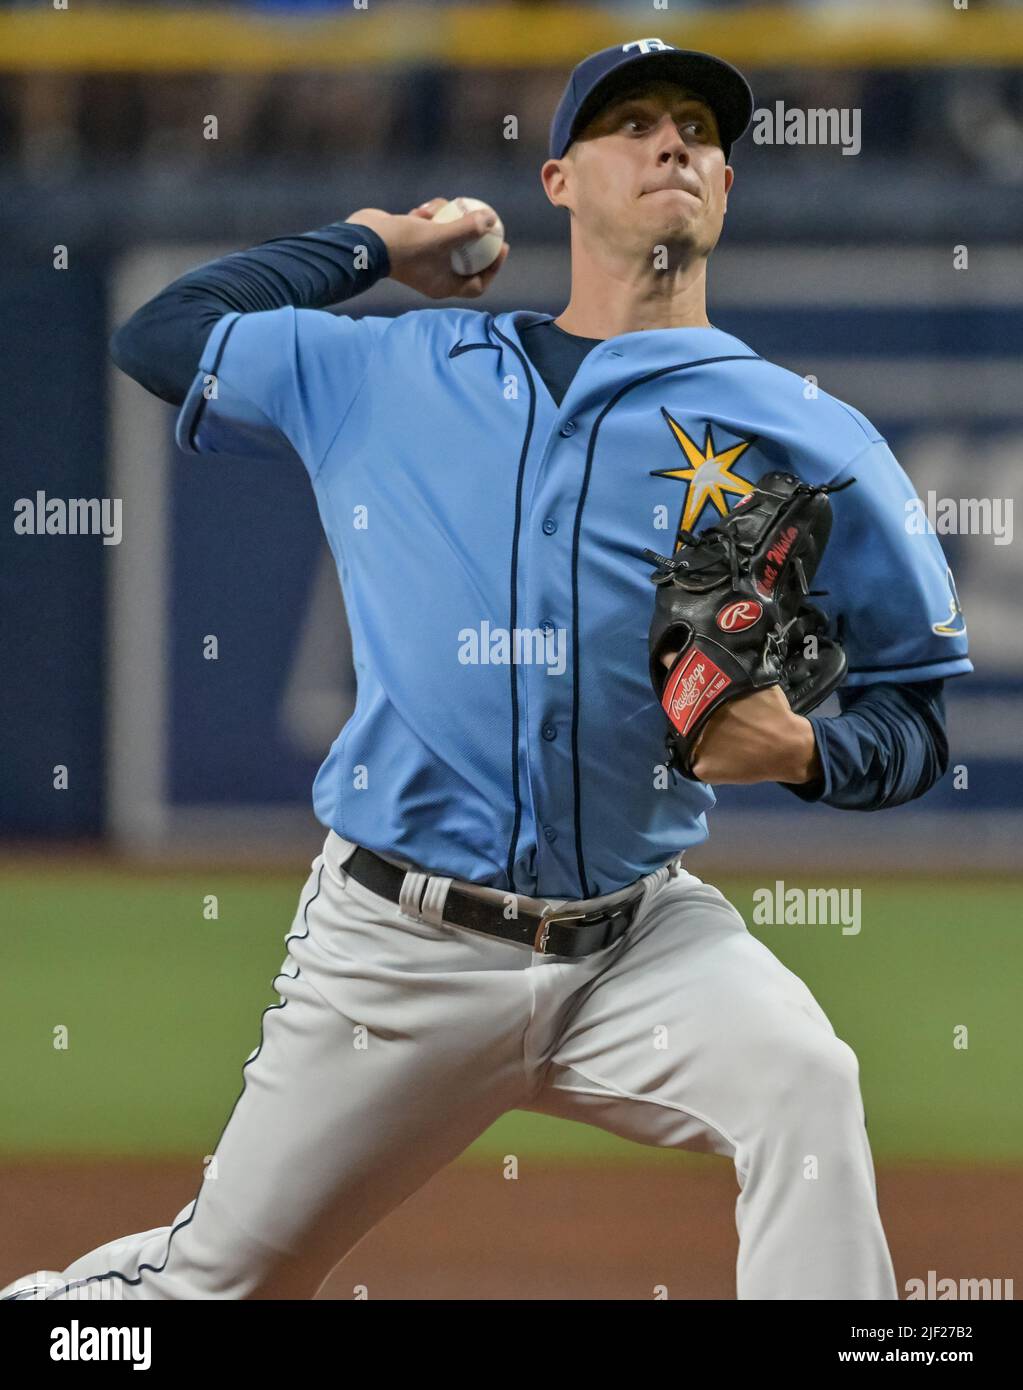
pixel 732 625
pixel 420 253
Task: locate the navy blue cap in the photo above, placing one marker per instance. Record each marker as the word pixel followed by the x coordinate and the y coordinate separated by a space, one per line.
pixel 599 77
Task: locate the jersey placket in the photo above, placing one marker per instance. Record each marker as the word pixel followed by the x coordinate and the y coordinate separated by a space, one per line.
pixel 545 577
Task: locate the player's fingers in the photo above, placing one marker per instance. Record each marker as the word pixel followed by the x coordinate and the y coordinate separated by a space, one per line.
pixel 467 227
pixel 469 286
pixel 427 209
pixel 449 285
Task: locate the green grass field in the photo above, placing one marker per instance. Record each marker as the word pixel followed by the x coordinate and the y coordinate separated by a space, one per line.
pixel 162 1008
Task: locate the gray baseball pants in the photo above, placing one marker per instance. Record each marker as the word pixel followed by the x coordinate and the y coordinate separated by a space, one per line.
pixel 399 1039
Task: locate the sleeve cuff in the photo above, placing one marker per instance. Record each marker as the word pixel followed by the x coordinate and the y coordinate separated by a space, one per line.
pixel 379 259
pixel 820 787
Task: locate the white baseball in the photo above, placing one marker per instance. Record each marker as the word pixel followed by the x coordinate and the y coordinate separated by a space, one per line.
pixel 476 255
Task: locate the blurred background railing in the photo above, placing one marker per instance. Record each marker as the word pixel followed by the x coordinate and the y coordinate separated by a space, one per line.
pixel 315 99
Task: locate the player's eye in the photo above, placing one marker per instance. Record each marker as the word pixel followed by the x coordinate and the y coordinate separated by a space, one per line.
pixel 692 128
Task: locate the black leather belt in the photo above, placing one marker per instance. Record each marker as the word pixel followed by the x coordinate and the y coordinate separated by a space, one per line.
pixel 554 933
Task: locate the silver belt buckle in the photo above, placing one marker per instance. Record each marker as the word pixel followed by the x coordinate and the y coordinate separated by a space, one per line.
pixel 543 930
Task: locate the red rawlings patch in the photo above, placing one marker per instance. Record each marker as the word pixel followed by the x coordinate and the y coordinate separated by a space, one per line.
pixel 738 616
pixel 692 687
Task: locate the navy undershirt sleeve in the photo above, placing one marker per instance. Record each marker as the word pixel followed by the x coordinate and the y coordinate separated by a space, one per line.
pixel 888 746
pixel 160 345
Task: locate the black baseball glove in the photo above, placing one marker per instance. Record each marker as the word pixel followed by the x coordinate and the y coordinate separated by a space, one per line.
pixel 732 602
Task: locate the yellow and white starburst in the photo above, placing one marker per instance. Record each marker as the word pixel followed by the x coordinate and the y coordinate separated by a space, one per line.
pixel 709 474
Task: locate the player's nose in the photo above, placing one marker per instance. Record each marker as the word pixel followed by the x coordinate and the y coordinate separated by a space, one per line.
pixel 671 148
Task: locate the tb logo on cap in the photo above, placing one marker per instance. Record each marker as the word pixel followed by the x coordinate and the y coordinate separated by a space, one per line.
pixel 648 46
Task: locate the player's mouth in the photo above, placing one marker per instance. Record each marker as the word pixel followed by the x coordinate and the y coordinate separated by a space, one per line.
pixel 669 188
pixel 653 192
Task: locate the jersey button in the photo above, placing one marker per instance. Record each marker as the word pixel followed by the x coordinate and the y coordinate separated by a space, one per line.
pixel 549 526
pixel 549 732
pixel 547 625
pixel 550 834
pixel 567 430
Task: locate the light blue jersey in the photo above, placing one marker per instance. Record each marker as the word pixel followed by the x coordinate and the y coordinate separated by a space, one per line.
pixel 489 545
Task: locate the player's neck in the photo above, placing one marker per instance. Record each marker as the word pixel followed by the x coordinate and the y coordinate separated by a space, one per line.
pixel 612 296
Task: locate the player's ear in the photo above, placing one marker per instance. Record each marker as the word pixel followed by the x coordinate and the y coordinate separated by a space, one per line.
pixel 554 178
pixel 729 180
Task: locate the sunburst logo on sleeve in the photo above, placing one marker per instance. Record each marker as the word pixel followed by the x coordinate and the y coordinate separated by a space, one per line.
pixel 708 473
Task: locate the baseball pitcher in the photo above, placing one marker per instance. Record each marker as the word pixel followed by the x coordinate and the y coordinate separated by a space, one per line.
pixel 594 565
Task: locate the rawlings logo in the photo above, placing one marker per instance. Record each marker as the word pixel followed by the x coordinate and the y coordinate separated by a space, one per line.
pixel 738 616
pixel 692 688
pixel 775 558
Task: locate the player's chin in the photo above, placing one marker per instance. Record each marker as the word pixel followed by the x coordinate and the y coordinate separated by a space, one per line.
pixel 673 218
